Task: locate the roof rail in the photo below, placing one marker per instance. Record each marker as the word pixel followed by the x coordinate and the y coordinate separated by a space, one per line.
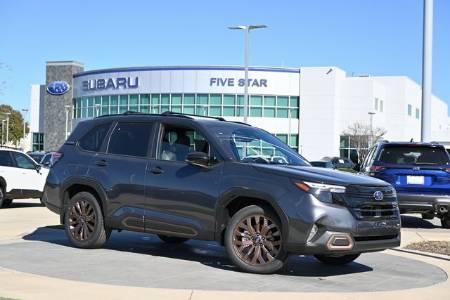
pixel 175 114
pixel 239 122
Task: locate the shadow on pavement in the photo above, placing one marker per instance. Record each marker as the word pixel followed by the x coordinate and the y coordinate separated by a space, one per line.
pixel 417 222
pixel 15 205
pixel 205 252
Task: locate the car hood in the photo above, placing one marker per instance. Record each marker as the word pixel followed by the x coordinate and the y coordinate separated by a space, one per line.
pixel 321 175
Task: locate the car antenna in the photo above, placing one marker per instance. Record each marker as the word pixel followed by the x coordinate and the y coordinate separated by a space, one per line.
pixel 412 140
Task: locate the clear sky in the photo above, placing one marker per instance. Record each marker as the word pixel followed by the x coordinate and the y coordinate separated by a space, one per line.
pixel 382 37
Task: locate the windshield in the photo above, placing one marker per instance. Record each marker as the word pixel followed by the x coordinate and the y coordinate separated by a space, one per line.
pixel 418 155
pixel 257 146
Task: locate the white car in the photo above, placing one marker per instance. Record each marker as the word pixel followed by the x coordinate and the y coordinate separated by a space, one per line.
pixel 20 177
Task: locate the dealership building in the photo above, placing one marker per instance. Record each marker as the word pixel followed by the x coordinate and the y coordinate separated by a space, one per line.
pixel 309 108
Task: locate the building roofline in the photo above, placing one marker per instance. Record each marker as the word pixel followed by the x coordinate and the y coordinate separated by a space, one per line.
pixel 64 63
pixel 188 68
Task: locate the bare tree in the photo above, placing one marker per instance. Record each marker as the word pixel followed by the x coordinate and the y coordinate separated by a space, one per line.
pixel 361 136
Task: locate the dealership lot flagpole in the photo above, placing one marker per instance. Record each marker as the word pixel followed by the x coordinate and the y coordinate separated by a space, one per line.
pixel 427 69
pixel 247 29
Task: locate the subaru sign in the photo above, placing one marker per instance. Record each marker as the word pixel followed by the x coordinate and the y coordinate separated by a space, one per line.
pixel 110 83
pixel 58 88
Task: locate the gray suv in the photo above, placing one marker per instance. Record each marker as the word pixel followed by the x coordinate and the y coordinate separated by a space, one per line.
pixel 187 177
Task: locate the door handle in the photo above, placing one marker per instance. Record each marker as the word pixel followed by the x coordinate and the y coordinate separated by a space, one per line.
pixel 101 163
pixel 157 170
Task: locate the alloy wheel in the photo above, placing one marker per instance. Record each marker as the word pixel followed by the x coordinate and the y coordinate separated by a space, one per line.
pixel 257 240
pixel 82 220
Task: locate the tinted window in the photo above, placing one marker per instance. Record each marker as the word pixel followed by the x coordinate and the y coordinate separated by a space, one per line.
pixel 130 139
pixel 23 162
pixel 178 142
pixel 93 140
pixel 408 155
pixel 5 159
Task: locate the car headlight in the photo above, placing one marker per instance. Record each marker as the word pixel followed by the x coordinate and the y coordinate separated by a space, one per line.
pixel 327 193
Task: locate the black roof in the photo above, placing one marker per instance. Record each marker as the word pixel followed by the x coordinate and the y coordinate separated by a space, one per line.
pixel 399 143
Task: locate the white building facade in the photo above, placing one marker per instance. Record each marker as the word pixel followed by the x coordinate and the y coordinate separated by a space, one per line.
pixel 308 108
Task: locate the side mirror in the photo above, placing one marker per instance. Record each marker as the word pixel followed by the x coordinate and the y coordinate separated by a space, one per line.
pixel 357 168
pixel 38 168
pixel 198 159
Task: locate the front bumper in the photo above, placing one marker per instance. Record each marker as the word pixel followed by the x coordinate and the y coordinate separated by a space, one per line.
pixel 364 235
pixel 414 202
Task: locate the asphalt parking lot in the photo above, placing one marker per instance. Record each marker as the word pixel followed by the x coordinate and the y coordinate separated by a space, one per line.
pixel 133 259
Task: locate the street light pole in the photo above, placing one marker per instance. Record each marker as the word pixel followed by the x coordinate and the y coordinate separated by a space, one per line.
pixel 3 131
pixel 24 124
pixel 427 58
pixel 7 114
pixel 97 109
pixel 67 107
pixel 247 29
pixel 371 113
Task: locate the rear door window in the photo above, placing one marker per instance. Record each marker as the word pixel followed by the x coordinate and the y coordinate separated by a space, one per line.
pixel 418 155
pixel 130 139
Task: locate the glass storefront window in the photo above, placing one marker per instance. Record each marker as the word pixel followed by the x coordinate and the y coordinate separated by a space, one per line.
pixel 228 111
pixel 294 112
pixel 282 113
pixel 123 100
pixel 90 101
pixel 294 102
pixel 215 99
pixel 97 100
pixel 176 99
pixel 155 99
pixel 215 111
pixel 164 108
pixel 228 100
pixel 133 104
pixel 283 101
pixel 255 112
pixel 189 110
pixel 255 100
pixel 114 100
pixel 189 99
pixel 145 99
pixel 105 100
pixel 269 100
pixel 176 108
pixel 202 99
pixel 165 99
pixel 201 110
pixel 282 137
pixel 145 109
pixel 269 112
pixel 240 99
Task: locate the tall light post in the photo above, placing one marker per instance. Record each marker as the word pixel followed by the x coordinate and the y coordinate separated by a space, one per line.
pixel 371 114
pixel 246 29
pixel 25 111
pixel 7 114
pixel 427 57
pixel 3 131
pixel 67 108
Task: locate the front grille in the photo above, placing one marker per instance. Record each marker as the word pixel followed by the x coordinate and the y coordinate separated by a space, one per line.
pixel 364 206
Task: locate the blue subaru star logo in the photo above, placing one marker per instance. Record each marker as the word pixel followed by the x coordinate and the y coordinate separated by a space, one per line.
pixel 378 195
pixel 58 88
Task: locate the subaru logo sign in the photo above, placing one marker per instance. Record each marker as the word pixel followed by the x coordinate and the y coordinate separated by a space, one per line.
pixel 58 88
pixel 378 195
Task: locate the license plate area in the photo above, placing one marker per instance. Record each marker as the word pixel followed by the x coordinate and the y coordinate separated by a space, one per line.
pixel 413 179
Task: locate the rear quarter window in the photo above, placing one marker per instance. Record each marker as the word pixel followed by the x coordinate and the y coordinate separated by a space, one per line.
pixel 93 139
pixel 419 155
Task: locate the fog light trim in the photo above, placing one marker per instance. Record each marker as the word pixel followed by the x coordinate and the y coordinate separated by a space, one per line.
pixel 336 239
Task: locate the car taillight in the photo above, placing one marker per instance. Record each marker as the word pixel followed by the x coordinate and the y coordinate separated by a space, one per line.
pixel 56 156
pixel 376 169
pixel 447 170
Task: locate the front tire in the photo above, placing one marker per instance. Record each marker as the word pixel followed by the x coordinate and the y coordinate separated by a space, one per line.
pixel 254 240
pixel 337 260
pixel 172 239
pixel 445 221
pixel 84 222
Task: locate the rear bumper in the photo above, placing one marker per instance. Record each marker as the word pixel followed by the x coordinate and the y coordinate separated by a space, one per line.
pixel 415 202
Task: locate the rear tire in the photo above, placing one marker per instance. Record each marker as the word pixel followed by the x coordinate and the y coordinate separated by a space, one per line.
pixel 254 240
pixel 7 202
pixel 172 239
pixel 445 221
pixel 337 260
pixel 84 222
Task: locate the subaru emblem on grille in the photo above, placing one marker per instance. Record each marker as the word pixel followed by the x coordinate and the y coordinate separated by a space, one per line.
pixel 378 195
